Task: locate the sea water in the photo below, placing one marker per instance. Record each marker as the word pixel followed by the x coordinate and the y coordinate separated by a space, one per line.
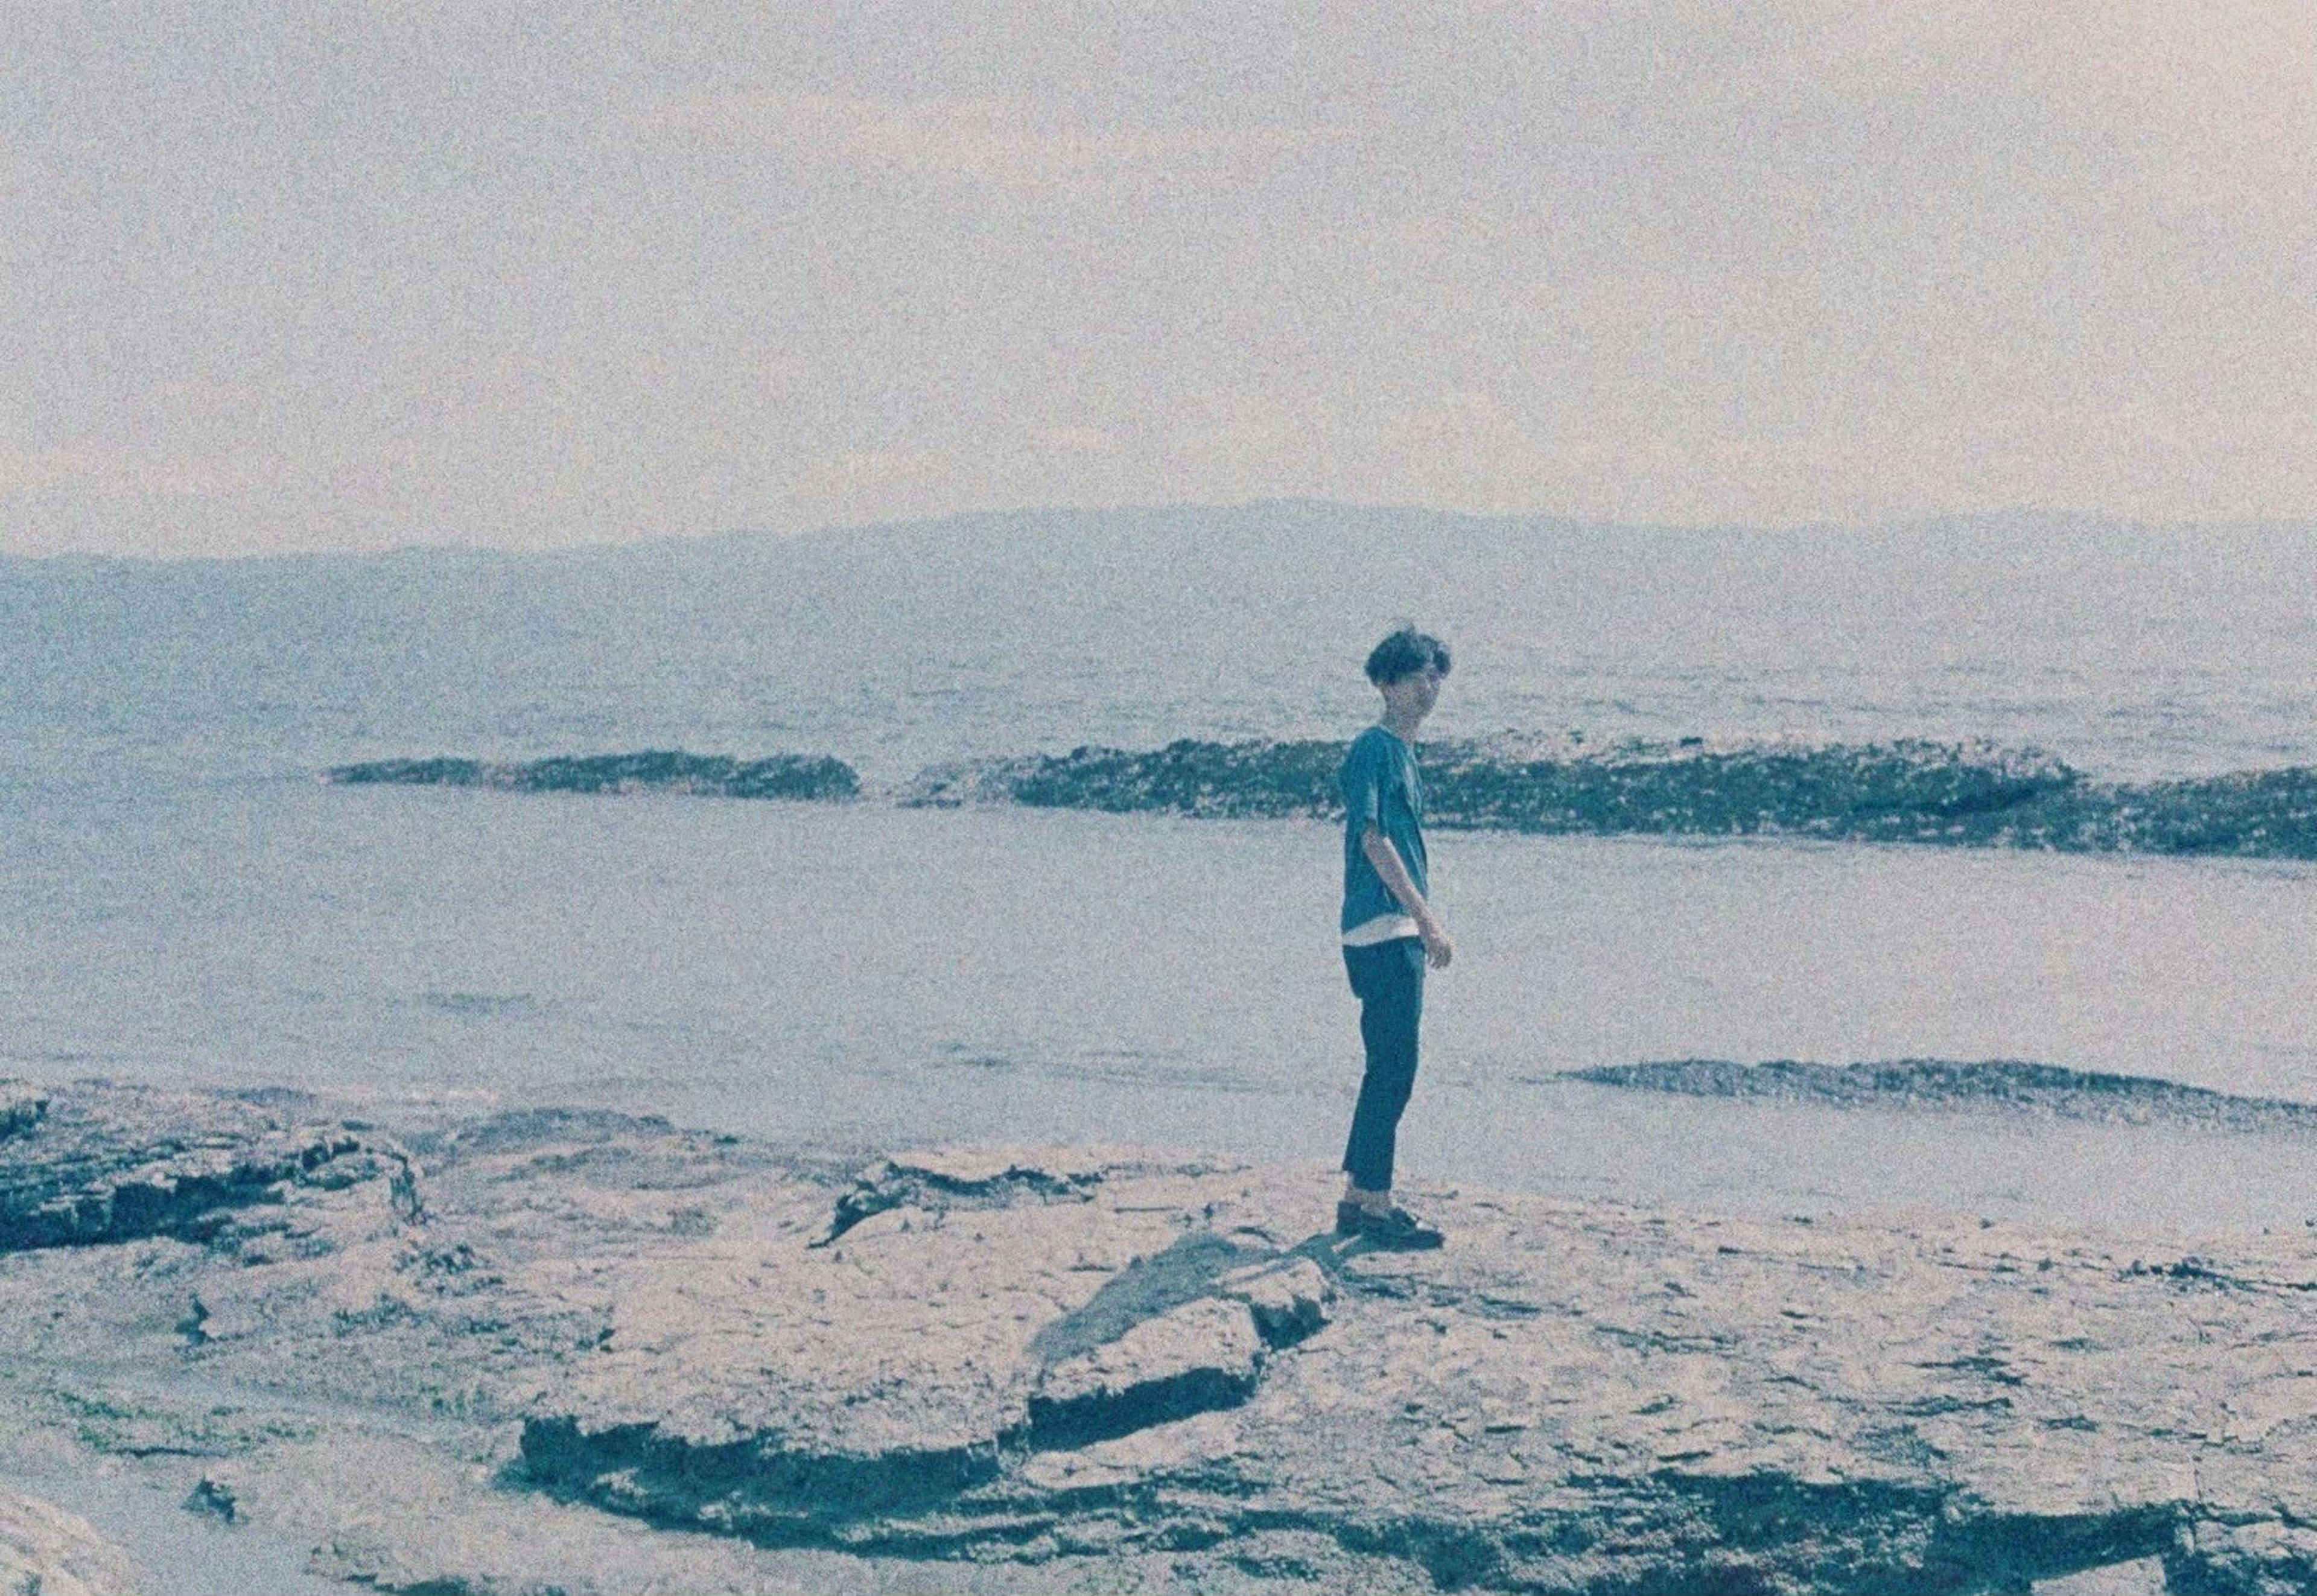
pixel 181 901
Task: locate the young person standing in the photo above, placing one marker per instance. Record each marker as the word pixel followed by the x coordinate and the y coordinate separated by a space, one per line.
pixel 1389 932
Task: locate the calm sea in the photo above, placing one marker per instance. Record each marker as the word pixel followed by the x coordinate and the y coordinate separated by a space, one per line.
pixel 180 901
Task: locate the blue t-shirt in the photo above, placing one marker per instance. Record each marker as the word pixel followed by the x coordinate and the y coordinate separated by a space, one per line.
pixel 1381 789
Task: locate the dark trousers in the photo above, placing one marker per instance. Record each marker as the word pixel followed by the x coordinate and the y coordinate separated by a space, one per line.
pixel 1388 979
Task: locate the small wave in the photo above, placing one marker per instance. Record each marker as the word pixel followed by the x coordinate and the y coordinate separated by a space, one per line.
pixel 479 1005
pixel 715 776
pixel 961 1055
pixel 1947 1085
pixel 1955 794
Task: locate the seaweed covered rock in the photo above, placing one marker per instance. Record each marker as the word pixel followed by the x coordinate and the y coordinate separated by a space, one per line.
pixel 1222 780
pixel 2268 814
pixel 1966 1086
pixel 1916 792
pixel 1955 795
pixel 1913 790
pixel 712 776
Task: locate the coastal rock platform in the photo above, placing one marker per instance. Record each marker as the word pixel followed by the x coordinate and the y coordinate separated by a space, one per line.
pixel 45 1551
pixel 574 1351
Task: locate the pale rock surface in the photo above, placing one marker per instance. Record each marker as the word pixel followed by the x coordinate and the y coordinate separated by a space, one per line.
pixel 1195 1359
pixel 516 1353
pixel 2142 1576
pixel 46 1551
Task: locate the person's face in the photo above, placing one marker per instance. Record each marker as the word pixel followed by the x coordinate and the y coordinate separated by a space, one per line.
pixel 1411 697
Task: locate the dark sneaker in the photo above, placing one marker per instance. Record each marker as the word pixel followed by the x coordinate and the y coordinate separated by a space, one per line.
pixel 1396 1228
pixel 1348 1218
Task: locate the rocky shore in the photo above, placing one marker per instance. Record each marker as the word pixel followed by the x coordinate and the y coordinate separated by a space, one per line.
pixel 572 1351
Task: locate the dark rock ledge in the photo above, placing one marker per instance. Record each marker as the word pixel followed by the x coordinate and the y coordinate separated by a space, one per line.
pixel 80 1167
pixel 1974 1086
pixel 1949 794
pixel 1144 1372
pixel 709 775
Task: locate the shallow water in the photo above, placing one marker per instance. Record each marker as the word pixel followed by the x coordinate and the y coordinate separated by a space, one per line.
pixel 865 975
pixel 195 1553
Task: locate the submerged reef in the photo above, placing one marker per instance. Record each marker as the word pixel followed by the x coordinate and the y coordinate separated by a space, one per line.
pixel 1959 795
pixel 1946 1084
pixel 582 1352
pixel 712 776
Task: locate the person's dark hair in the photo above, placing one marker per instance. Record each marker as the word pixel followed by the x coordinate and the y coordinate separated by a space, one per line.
pixel 1404 653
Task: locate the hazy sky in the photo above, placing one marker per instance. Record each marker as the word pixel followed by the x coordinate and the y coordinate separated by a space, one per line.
pixel 361 274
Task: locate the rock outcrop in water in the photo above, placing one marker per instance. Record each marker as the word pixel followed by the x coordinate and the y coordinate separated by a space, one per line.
pixel 711 775
pixel 1137 1371
pixel 1954 794
pixel 1946 1084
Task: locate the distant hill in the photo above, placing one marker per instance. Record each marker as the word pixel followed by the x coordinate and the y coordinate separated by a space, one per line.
pixel 1008 633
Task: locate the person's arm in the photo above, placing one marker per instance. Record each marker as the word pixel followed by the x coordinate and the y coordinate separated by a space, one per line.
pixel 1393 871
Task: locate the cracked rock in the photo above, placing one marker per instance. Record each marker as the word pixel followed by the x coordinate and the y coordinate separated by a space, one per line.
pixel 97 1164
pixel 1157 1373
pixel 1289 1300
pixel 971 1178
pixel 1195 1359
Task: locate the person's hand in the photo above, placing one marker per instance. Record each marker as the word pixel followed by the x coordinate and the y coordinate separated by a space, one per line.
pixel 1438 949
